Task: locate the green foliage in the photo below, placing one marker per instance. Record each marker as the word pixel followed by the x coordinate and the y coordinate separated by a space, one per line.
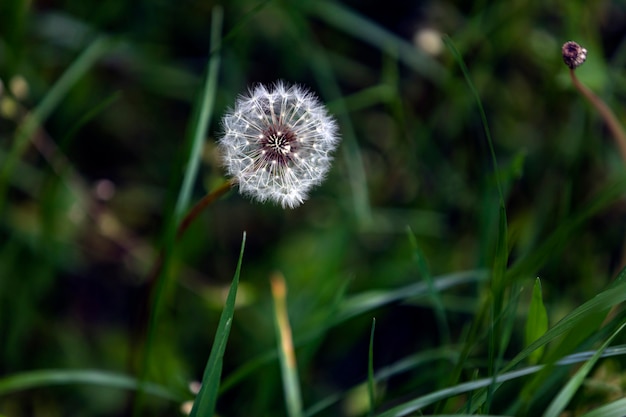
pixel 205 402
pixel 559 403
pixel 536 322
pixel 469 171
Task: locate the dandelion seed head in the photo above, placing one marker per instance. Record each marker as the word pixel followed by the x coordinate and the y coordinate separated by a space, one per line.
pixel 278 143
pixel 574 55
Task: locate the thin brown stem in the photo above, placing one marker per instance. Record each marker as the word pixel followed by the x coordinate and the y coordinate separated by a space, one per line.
pixel 201 205
pixel 605 112
pixel 193 214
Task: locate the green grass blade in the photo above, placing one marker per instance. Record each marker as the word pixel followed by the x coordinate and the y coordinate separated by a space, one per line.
pixel 370 370
pixel 483 116
pixel 567 393
pixel 370 300
pixel 360 304
pixel 241 22
pixel 42 111
pixel 426 400
pixel 50 377
pixel 201 118
pixel 614 409
pixel 205 402
pixel 286 353
pixel 440 311
pixel 344 19
pixel 607 195
pixel 572 322
pixel 198 127
pixel 500 261
pixel 536 322
pixel 601 302
pixel 323 72
pixel 466 415
pixel 404 365
pixel 87 117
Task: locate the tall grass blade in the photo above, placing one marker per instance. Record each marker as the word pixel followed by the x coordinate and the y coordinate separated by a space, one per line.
pixel 496 349
pixel 203 114
pixel 197 130
pixel 205 402
pixel 483 116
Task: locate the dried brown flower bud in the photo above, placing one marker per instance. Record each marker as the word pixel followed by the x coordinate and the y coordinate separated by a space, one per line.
pixel 574 55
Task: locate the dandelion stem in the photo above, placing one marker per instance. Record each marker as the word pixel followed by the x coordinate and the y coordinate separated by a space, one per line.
pixel 201 205
pixel 605 112
pixel 187 220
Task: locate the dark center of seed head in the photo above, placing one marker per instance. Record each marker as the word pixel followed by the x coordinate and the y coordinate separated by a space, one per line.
pixel 279 143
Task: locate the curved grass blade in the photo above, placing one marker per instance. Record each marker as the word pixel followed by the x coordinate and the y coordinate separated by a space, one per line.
pixel 614 409
pixel 361 304
pixel 602 302
pixel 205 402
pixel 50 377
pixel 426 400
pixel 559 403
pixel 344 19
pixel 465 415
pixel 370 300
pixel 406 364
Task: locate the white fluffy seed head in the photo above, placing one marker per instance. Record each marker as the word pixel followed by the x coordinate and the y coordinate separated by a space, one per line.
pixel 277 143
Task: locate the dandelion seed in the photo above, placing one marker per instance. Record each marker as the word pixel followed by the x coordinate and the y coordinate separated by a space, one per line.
pixel 278 143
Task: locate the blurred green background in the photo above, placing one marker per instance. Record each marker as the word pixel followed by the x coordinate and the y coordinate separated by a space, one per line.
pixel 85 199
